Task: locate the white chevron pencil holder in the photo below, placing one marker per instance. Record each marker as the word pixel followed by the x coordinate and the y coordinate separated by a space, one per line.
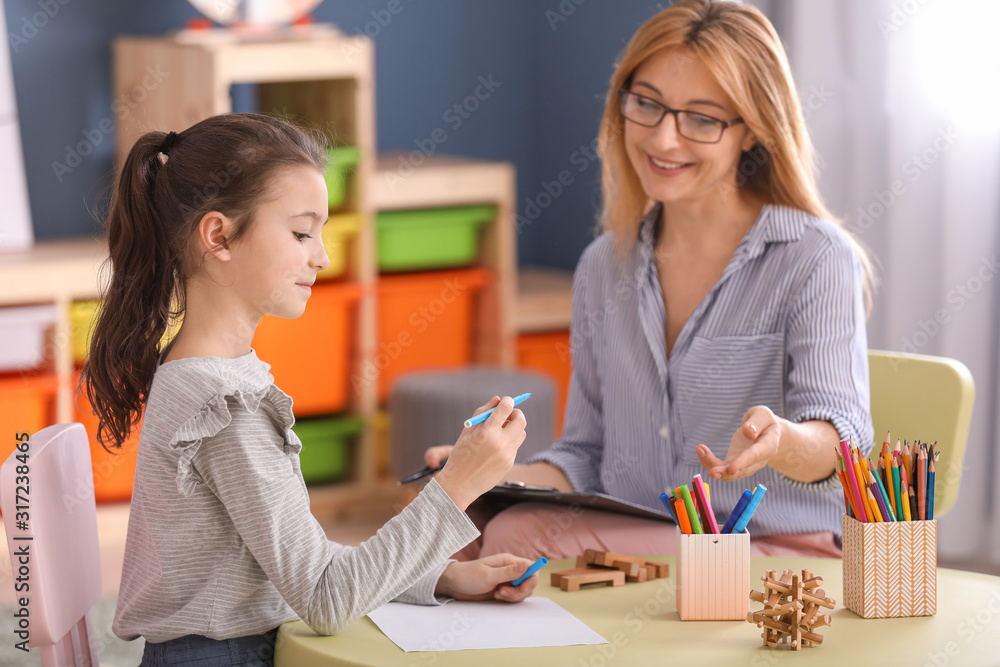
pixel 890 569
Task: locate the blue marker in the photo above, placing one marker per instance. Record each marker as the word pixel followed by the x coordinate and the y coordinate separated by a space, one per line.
pixel 665 499
pixel 483 416
pixel 741 505
pixel 751 507
pixel 535 567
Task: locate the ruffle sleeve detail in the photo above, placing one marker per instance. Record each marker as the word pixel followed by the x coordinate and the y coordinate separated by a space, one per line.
pixel 216 415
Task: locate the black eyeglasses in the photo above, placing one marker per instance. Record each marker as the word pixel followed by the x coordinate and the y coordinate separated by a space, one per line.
pixel 691 125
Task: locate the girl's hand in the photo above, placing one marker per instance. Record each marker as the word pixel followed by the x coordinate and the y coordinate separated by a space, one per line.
pixel 484 453
pixel 487 579
pixel 434 455
pixel 753 445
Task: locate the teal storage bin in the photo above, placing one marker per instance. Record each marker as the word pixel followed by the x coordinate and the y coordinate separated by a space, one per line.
pixel 326 445
pixel 343 160
pixel 430 238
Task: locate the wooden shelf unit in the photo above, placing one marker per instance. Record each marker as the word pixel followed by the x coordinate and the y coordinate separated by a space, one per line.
pixel 451 181
pixel 57 272
pixel 326 79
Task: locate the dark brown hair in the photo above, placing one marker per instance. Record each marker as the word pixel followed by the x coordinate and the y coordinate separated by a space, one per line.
pixel 224 163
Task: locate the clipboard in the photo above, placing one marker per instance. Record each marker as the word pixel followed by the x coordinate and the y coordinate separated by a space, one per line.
pixel 508 493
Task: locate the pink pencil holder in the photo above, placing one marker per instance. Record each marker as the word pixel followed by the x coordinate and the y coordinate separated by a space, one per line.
pixel 713 577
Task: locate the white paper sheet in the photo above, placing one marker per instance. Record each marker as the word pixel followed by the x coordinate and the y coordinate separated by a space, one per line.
pixel 460 625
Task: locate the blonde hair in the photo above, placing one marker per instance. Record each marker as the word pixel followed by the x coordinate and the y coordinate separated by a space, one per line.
pixel 744 54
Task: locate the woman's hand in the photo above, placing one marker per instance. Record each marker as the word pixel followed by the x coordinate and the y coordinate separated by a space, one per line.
pixel 484 453
pixel 752 447
pixel 487 579
pixel 434 455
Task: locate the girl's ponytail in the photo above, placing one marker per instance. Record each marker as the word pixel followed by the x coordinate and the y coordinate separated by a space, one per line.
pixel 136 306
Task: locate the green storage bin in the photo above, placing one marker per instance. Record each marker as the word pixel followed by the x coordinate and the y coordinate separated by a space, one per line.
pixel 430 238
pixel 326 445
pixel 343 160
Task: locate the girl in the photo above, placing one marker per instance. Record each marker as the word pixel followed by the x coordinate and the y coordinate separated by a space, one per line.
pixel 222 222
pixel 719 322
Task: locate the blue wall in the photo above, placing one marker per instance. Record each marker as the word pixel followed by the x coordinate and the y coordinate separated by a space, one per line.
pixel 551 58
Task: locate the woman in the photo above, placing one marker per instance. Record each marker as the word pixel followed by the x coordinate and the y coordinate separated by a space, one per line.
pixel 719 322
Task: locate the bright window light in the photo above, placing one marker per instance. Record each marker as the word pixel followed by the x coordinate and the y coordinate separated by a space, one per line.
pixel 957 56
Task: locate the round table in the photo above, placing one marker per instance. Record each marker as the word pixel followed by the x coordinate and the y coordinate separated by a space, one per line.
pixel 642 627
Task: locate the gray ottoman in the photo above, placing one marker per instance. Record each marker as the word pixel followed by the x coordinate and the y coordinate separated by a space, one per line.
pixel 428 409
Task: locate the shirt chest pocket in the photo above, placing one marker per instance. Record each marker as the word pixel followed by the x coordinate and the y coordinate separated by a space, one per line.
pixel 719 380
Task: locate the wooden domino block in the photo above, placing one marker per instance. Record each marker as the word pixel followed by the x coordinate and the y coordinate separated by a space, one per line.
pixel 632 570
pixel 635 568
pixel 571 580
pixel 660 570
pixel 607 558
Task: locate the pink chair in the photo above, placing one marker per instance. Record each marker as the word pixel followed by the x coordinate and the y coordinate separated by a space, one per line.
pixel 47 498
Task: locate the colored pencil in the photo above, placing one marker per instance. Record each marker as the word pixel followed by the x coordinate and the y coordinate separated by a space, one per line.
pixel 875 505
pixel 897 490
pixel 907 461
pixel 889 486
pixel 922 483
pixel 862 484
pixel 849 502
pixel 887 512
pixel 930 487
pixel 851 476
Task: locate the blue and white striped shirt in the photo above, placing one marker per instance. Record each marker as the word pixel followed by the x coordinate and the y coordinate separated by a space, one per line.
pixel 784 327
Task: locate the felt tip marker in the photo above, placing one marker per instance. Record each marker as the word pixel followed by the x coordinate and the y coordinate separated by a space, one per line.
pixel 534 567
pixel 750 508
pixel 483 416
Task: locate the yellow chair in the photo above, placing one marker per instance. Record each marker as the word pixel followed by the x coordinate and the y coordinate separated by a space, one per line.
pixel 925 398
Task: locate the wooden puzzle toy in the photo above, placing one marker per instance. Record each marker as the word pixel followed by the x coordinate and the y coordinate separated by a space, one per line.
pixel 791 609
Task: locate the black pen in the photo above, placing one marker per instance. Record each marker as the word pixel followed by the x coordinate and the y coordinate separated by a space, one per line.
pixel 420 474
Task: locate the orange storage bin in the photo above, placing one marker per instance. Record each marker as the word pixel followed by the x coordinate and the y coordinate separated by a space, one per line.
pixel 310 356
pixel 27 405
pixel 114 474
pixel 548 353
pixel 425 321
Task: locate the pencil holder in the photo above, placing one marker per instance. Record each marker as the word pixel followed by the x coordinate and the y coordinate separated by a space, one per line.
pixel 890 569
pixel 713 577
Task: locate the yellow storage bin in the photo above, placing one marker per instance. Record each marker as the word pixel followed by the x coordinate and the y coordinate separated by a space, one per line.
pixel 336 234
pixel 82 315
